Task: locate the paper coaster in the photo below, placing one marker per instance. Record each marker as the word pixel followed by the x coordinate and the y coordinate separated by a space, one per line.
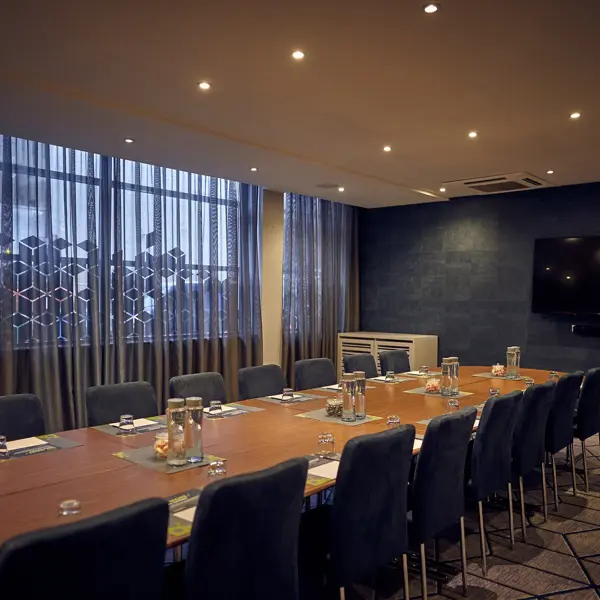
pixel 145 457
pixel 422 392
pixel 490 376
pixel 321 415
pixel 297 399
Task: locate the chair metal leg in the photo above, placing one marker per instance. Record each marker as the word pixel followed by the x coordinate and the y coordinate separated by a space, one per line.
pixel 544 493
pixel 423 573
pixel 555 483
pixel 585 473
pixel 342 594
pixel 405 577
pixel 463 555
pixel 511 516
pixel 522 498
pixel 573 476
pixel 482 539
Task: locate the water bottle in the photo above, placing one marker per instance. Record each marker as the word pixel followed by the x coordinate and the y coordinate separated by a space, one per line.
pixel 360 407
pixel 195 413
pixel 513 362
pixel 455 366
pixel 447 370
pixel 176 418
pixel 348 386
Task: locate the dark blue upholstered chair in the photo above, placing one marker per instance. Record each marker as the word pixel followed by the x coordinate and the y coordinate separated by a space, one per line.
pixel 21 416
pixel 118 554
pixel 528 449
pixel 369 512
pixel 208 386
pixel 314 373
pixel 264 380
pixel 244 540
pixel 587 419
pixel 559 428
pixel 394 360
pixel 361 362
pixel 490 465
pixel 106 403
pixel 438 499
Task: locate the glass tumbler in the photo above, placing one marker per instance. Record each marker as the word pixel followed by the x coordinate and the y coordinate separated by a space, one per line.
pixel 392 420
pixel 126 425
pixel 326 447
pixel 287 396
pixel 424 371
pixel 4 453
pixel 360 389
pixel 217 468
pixel 215 407
pixel 390 376
pixel 68 508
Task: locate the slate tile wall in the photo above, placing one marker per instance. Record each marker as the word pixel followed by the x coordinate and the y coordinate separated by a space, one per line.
pixel 463 270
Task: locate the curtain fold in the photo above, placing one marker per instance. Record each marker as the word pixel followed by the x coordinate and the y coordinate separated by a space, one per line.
pixel 320 278
pixel 114 270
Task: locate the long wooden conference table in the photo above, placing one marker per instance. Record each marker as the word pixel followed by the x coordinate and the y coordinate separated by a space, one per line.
pixel 32 487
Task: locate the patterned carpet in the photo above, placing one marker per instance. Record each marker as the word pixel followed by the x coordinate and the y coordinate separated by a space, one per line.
pixel 560 559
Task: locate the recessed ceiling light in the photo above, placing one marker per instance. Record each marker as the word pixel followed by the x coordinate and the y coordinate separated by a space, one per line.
pixel 340 189
pixel 204 85
pixel 129 140
pixel 298 55
pixel 550 172
pixel 547 268
pixel 473 134
pixel 568 277
pixel 442 189
pixel 575 115
pixel 431 8
pixel 387 148
pixel 253 169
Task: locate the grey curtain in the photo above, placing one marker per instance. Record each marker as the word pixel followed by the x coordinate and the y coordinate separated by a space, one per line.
pixel 320 278
pixel 116 271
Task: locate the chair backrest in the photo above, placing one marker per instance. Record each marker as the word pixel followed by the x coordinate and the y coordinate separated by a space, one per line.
pixel 361 362
pixel 559 428
pixel 21 416
pixel 116 554
pixel 530 430
pixel 208 386
pixel 588 409
pixel 264 380
pixel 368 518
pixel 314 373
pixel 394 360
pixel 492 449
pixel 244 540
pixel 106 403
pixel 438 498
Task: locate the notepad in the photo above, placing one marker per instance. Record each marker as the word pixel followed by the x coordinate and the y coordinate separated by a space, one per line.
pixel 25 443
pixel 187 514
pixel 335 387
pixel 223 409
pixel 138 423
pixel 328 470
pixel 417 445
pixel 280 396
pixel 418 374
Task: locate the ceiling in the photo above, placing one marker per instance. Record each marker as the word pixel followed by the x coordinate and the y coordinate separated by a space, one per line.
pixel 89 74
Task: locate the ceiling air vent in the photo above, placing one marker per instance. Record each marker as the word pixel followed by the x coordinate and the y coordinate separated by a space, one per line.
pixel 494 184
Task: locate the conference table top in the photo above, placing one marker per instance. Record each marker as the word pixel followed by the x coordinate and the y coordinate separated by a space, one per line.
pixel 32 487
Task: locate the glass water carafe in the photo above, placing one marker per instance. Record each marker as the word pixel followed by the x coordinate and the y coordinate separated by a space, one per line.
pixel 454 374
pixel 447 371
pixel 348 389
pixel 176 418
pixel 195 414
pixel 360 388
pixel 513 362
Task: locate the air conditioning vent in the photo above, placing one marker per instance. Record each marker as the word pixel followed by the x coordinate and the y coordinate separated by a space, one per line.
pixel 494 184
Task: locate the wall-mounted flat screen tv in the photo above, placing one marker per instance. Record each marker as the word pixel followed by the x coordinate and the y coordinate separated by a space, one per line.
pixel 566 276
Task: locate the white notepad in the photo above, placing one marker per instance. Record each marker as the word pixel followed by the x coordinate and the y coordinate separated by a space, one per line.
pixel 224 408
pixel 280 396
pixel 417 445
pixel 329 470
pixel 187 514
pixel 335 387
pixel 25 443
pixel 138 423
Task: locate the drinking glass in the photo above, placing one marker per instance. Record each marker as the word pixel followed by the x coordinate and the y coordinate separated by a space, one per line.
pixel 453 402
pixel 126 425
pixel 554 376
pixel 528 382
pixel 390 376
pixel 424 371
pixel 216 407
pixel 217 468
pixel 494 391
pixel 326 448
pixel 392 421
pixel 68 508
pixel 287 396
pixel 4 453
